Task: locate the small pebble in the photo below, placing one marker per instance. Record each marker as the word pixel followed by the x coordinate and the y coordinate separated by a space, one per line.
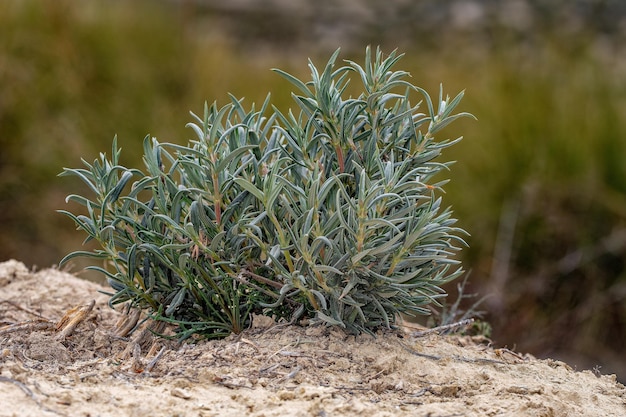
pixel 286 395
pixel 181 393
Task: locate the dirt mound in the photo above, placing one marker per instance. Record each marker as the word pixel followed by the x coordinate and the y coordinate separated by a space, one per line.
pixel 64 355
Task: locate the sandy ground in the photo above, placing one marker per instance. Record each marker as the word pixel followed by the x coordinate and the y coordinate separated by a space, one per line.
pixel 59 357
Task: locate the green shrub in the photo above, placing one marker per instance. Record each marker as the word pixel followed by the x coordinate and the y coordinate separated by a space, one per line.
pixel 330 213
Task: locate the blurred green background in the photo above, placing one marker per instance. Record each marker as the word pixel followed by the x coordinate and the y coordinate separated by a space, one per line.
pixel 540 181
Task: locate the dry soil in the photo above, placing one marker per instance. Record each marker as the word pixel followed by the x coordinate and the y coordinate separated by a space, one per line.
pixel 64 352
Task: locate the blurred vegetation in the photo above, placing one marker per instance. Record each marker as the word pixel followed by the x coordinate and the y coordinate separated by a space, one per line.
pixel 540 181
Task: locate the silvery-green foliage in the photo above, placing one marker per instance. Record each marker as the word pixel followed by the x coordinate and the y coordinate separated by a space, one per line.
pixel 328 212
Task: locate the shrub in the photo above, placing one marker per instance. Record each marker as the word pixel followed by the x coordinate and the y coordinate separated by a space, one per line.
pixel 330 213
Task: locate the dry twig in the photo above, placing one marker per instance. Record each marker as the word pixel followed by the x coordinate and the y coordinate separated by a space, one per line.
pixel 27 310
pixel 28 392
pixel 72 319
pixel 29 325
pixel 154 360
pixel 127 323
pixel 445 328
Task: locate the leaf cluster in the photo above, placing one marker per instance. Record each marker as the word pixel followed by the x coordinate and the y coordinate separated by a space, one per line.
pixel 329 212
